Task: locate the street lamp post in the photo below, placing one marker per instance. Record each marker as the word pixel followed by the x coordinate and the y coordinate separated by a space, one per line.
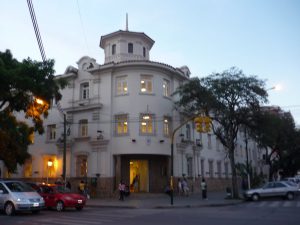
pixel 49 164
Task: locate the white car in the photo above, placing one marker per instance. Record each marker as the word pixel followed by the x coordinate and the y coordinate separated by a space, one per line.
pixel 272 189
pixel 18 196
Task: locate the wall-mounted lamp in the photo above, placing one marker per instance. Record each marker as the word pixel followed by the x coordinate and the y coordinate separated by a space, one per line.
pixel 161 141
pixel 133 140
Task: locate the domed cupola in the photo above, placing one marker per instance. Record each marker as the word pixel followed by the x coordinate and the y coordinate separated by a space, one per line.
pixel 125 46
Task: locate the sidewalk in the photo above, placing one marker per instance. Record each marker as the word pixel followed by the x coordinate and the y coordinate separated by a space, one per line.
pixel 149 200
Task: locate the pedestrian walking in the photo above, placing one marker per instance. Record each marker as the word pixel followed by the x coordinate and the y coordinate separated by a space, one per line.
pixel 179 185
pixel 185 187
pixel 204 189
pixel 122 190
pixel 68 185
pixel 81 187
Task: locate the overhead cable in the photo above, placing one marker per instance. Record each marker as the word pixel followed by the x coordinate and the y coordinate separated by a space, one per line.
pixel 36 29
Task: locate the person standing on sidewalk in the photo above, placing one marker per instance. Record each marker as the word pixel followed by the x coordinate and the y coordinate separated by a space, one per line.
pixel 121 190
pixel 204 189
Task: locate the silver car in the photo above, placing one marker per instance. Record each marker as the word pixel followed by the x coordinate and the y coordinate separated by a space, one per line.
pixel 18 196
pixel 272 189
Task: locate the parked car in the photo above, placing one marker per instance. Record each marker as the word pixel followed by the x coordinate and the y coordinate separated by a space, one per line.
pixel 272 189
pixel 294 180
pixel 18 196
pixel 59 197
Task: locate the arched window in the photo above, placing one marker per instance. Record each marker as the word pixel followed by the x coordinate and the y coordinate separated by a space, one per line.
pixel 113 49
pixel 130 48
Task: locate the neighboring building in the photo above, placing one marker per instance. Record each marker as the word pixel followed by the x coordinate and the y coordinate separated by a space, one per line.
pixel 120 117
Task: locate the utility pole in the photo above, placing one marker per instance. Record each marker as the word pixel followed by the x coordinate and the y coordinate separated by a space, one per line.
pixel 65 148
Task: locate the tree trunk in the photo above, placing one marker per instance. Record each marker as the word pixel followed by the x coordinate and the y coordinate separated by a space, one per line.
pixel 235 190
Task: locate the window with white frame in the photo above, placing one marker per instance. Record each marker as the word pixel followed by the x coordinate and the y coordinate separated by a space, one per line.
pixel 188 131
pixel 166 88
pixel 167 126
pixel 130 48
pixel 121 85
pixel 51 132
pixel 81 166
pixel 113 49
pixel 226 169
pixel 190 166
pixel 202 168
pixel 83 128
pixel 146 84
pixel 121 124
pixel 217 144
pixel 146 124
pixel 211 168
pixel 219 169
pixel 209 141
pixel 84 90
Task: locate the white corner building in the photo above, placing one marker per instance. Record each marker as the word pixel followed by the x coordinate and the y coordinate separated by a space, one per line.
pixel 120 117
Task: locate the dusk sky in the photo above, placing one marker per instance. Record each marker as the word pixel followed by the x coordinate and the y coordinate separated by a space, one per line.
pixel 261 37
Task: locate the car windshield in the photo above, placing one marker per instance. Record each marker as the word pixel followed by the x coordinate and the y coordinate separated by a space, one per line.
pixel 18 187
pixel 62 189
pixel 290 183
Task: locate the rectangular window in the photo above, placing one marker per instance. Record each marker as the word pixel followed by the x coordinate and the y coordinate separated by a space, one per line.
pixel 144 51
pixel 166 88
pixel 146 84
pixel 51 132
pixel 209 141
pixel 188 132
pixel 121 124
pixel 121 83
pixel 113 49
pixel 146 124
pixel 226 169
pixel 217 144
pixel 167 126
pixel 130 48
pixel 211 168
pixel 84 90
pixel 83 128
pixel 190 166
pixel 202 168
pixel 219 169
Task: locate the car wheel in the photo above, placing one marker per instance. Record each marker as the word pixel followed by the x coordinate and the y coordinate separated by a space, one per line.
pixel 78 208
pixel 59 206
pixel 9 209
pixel 255 197
pixel 290 196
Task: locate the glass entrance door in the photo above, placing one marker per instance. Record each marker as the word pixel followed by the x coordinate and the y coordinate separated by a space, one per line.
pixel 139 176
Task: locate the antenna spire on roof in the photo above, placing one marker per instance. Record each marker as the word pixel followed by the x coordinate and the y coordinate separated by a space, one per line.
pixel 126 21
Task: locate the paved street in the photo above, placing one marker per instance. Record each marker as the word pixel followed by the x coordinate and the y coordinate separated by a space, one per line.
pixel 269 212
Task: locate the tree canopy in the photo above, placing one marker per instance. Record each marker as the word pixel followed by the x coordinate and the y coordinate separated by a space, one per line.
pixel 228 98
pixel 21 85
pixel 276 133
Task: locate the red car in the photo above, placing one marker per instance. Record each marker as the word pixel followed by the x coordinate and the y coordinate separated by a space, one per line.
pixel 60 197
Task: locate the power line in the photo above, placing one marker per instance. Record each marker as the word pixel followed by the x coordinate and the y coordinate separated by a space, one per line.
pixel 36 29
pixel 82 27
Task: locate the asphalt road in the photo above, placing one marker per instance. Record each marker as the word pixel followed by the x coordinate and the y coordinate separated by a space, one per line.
pixel 274 212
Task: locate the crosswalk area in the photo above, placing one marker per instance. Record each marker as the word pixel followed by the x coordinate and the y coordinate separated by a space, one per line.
pixel 87 217
pixel 274 204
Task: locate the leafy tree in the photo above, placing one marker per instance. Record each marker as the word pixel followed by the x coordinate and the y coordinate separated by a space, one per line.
pixel 276 133
pixel 228 98
pixel 21 85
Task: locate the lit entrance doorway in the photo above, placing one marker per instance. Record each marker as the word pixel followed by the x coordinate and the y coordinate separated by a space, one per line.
pixel 139 176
